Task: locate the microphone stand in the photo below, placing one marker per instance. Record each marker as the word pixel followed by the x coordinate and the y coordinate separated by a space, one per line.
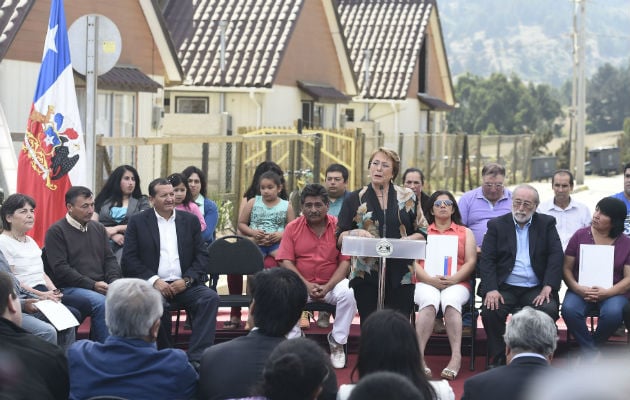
pixel 383 263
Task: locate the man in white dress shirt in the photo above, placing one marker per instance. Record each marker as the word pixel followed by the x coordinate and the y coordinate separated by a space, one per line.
pixel 570 214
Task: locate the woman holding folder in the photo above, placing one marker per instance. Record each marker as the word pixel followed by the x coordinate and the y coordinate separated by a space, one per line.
pixel 606 230
pixel 449 289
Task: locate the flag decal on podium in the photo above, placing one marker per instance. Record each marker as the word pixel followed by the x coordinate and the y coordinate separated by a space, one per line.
pixel 53 153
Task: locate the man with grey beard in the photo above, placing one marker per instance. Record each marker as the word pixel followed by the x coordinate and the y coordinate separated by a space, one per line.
pixel 521 265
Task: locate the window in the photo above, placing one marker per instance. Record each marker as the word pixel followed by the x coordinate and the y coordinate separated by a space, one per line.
pixel 116 114
pixel 191 105
pixel 349 114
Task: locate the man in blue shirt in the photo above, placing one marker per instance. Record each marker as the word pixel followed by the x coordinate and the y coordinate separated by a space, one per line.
pixel 625 196
pixel 521 265
pixel 128 364
pixel 336 185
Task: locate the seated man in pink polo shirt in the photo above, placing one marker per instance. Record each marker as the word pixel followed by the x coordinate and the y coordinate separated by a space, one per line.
pixel 309 248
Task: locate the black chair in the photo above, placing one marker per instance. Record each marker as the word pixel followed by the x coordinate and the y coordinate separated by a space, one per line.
pixel 236 255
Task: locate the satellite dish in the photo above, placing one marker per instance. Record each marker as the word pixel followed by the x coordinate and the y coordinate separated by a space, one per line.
pixel 108 43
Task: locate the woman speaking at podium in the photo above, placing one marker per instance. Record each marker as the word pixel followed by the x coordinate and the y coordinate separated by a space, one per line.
pixel 381 209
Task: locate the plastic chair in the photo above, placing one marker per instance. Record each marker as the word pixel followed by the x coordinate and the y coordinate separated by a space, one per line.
pixel 236 255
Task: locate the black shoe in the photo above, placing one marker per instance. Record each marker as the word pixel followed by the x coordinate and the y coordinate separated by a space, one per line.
pixel 497 361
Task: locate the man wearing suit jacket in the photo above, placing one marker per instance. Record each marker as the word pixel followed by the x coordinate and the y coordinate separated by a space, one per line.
pixel 165 248
pixel 233 369
pixel 521 265
pixel 530 341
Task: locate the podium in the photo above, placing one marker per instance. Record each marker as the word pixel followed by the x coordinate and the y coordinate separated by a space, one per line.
pixel 383 248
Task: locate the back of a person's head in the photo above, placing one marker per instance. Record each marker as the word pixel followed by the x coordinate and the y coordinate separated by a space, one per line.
pixel 295 370
pixel 531 331
pixel 279 297
pixel 131 307
pixel 386 385
pixel 389 343
pixel 7 291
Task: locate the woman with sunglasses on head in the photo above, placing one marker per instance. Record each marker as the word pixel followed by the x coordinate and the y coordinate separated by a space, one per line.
pixel 377 210
pixel 449 292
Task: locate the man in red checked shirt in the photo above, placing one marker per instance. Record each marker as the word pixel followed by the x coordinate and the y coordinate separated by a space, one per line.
pixel 309 248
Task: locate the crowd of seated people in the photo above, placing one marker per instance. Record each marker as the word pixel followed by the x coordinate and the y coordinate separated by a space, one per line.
pixel 120 246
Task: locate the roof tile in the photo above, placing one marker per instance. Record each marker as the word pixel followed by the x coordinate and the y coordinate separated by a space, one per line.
pixel 392 31
pixel 255 34
pixel 12 15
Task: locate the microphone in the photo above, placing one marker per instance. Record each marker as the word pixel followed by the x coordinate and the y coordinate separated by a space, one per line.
pixel 380 187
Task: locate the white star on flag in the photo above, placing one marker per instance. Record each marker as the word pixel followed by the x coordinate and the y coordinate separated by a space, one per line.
pixel 50 44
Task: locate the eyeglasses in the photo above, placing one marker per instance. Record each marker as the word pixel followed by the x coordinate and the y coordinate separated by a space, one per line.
pixel 376 164
pixel 493 185
pixel 445 203
pixel 519 203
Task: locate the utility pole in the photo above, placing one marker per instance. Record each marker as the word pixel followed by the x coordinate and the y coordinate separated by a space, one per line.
pixel 574 85
pixel 367 54
pixel 581 96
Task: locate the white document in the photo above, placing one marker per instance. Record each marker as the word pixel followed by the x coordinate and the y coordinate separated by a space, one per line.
pixel 441 257
pixel 57 314
pixel 596 265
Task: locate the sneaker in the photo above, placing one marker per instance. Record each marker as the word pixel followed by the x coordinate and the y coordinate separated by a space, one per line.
pixel 323 319
pixel 337 355
pixel 305 320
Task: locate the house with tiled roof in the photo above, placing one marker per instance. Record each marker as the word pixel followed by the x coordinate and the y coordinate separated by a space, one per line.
pixel 380 65
pixel 399 61
pixel 262 62
pixel 130 95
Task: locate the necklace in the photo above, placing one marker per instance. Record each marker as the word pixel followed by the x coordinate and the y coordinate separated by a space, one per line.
pixel 21 240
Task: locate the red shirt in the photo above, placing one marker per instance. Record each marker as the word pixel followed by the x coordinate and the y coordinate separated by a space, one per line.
pixel 315 257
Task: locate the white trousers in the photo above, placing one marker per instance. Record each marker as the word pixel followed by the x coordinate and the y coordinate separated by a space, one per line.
pixel 454 296
pixel 342 296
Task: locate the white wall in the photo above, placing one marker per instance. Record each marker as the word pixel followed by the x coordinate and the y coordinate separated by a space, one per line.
pixel 17 88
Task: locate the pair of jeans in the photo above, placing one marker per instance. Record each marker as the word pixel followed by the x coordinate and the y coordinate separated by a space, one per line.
pixel 98 331
pixel 575 310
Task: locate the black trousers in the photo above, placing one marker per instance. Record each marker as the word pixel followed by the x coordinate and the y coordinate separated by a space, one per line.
pixel 514 297
pixel 366 294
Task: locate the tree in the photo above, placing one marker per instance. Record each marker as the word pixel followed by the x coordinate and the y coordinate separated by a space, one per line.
pixel 624 141
pixel 608 98
pixel 505 106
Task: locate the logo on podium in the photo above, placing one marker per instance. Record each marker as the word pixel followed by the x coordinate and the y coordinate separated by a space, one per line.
pixel 384 248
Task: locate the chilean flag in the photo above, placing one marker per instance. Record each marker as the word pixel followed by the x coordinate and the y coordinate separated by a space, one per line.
pixel 52 158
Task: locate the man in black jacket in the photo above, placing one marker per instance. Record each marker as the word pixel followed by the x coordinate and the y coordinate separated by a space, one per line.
pixel 30 368
pixel 232 369
pixel 530 340
pixel 521 265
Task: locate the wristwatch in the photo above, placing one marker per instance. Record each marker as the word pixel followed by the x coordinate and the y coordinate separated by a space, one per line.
pixel 188 281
